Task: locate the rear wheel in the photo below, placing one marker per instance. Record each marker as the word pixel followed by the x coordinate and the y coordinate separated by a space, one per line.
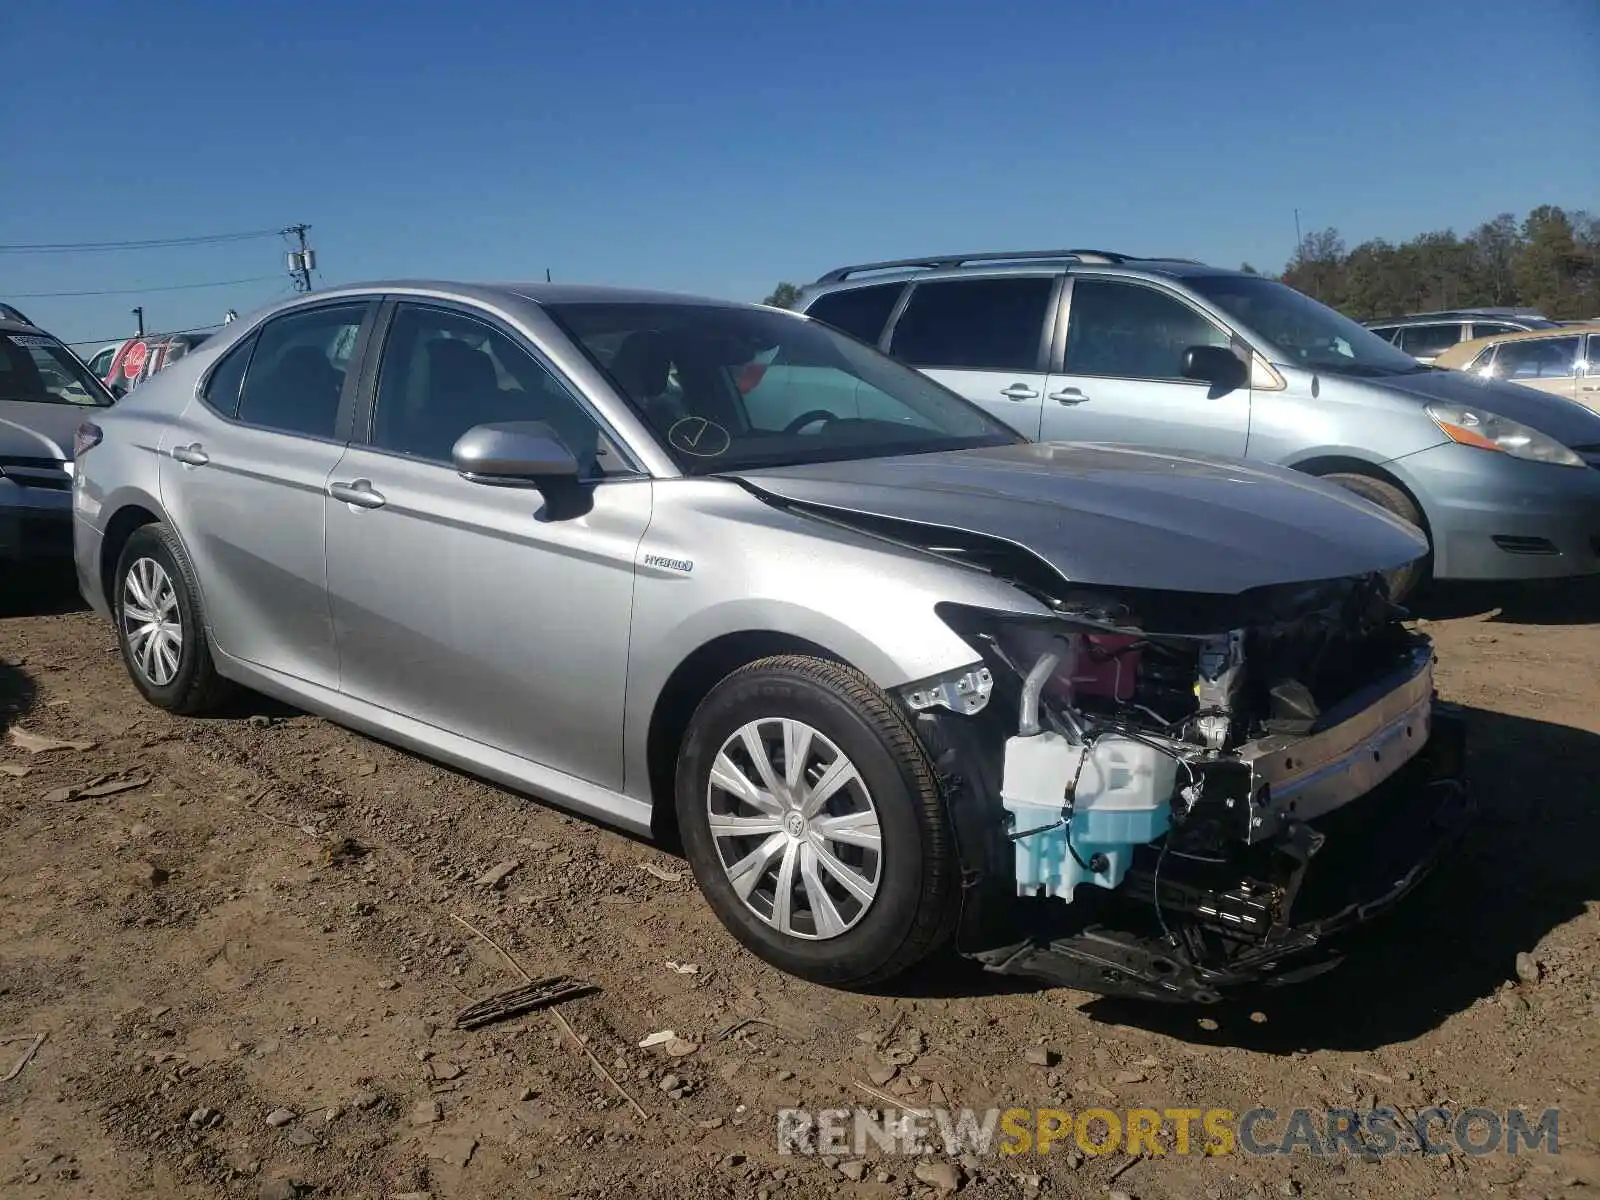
pixel 813 823
pixel 160 626
pixel 1403 581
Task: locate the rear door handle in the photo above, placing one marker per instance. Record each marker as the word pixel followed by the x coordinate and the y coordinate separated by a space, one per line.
pixel 1020 391
pixel 192 455
pixel 360 492
pixel 1068 395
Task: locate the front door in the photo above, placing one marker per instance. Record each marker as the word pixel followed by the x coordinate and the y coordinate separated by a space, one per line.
pixel 984 338
pixel 1547 364
pixel 469 606
pixel 1122 380
pixel 243 474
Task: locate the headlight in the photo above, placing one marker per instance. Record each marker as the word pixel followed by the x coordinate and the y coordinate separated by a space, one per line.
pixel 1490 431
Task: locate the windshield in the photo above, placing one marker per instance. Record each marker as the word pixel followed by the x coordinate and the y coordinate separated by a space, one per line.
pixel 728 388
pixel 41 370
pixel 1302 332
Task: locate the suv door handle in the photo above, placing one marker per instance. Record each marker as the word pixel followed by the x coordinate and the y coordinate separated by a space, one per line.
pixel 1020 391
pixel 192 455
pixel 361 493
pixel 1068 395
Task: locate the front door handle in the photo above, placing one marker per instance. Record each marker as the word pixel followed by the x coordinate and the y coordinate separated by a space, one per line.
pixel 192 455
pixel 1069 396
pixel 1020 391
pixel 360 492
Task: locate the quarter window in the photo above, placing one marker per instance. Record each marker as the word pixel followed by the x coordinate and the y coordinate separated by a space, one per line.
pixel 861 312
pixel 222 389
pixel 1543 358
pixel 296 376
pixel 975 324
pixel 1491 329
pixel 444 372
pixel 1127 331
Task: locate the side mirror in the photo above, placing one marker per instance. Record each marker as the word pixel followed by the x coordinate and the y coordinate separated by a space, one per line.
pixel 1216 365
pixel 119 390
pixel 525 454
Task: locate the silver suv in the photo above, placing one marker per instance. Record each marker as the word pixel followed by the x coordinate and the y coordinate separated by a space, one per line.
pixel 1425 336
pixel 1095 346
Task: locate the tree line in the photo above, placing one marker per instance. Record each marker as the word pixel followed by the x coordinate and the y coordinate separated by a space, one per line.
pixel 1548 261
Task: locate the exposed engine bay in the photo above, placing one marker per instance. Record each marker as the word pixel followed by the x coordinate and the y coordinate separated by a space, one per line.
pixel 1170 801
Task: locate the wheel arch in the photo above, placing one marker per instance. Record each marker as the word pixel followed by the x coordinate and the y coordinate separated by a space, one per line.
pixel 131 516
pixel 688 684
pixel 1333 464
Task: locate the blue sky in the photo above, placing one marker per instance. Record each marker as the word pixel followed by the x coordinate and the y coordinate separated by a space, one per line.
pixel 723 145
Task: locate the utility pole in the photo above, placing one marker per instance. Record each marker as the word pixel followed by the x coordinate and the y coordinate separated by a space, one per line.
pixel 138 313
pixel 303 260
pixel 1299 242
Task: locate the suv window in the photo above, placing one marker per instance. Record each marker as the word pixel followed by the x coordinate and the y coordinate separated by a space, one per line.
pixel 1425 341
pixel 975 324
pixel 1544 358
pixel 445 372
pixel 1594 354
pixel 1386 332
pixel 1128 331
pixel 222 388
pixel 861 312
pixel 296 375
pixel 38 369
pixel 1491 329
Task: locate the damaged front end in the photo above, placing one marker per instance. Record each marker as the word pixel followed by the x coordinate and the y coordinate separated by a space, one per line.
pixel 1166 795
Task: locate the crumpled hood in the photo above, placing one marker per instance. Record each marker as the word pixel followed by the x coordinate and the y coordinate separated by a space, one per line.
pixel 1116 517
pixel 1569 422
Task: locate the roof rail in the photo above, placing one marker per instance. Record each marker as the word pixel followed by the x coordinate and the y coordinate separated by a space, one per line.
pixel 947 261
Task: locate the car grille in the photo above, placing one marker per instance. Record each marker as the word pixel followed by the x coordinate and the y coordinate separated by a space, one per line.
pixel 51 474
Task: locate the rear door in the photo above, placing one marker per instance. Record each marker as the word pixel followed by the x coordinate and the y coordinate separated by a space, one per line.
pixel 984 337
pixel 243 477
pixel 1121 380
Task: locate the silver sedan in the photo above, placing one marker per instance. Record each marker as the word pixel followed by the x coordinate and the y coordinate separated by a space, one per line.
pixel 895 676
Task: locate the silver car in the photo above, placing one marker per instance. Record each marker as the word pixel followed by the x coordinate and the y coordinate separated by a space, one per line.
pixel 898 678
pixel 1096 346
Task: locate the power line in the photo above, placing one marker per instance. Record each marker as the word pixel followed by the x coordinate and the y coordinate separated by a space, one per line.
pixel 206 239
pixel 135 291
pixel 123 337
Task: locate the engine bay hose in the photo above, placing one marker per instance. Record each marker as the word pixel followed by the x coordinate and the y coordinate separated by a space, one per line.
pixel 1033 687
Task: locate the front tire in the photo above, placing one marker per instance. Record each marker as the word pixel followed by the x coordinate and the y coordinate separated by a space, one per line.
pixel 161 627
pixel 813 823
pixel 1403 581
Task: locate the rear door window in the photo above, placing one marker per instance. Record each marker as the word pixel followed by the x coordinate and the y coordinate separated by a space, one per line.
pixel 975 324
pixel 296 376
pixel 861 312
pixel 1491 329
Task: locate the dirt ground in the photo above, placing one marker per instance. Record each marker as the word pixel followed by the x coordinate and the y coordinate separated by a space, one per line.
pixel 264 920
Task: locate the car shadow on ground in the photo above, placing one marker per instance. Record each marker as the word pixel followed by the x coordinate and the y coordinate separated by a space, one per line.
pixel 1527 867
pixel 17 692
pixel 35 590
pixel 1536 602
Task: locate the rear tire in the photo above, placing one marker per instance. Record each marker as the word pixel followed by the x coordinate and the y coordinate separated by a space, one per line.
pixel 1406 580
pixel 161 628
pixel 810 894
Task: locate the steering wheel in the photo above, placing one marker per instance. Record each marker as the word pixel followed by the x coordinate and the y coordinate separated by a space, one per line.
pixel 805 418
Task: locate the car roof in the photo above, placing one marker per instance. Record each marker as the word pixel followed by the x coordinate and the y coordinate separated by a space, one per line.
pixel 1463 351
pixel 538 292
pixel 1460 314
pixel 9 326
pixel 1006 262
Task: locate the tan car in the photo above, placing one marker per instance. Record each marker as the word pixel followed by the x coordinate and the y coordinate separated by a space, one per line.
pixel 1563 361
